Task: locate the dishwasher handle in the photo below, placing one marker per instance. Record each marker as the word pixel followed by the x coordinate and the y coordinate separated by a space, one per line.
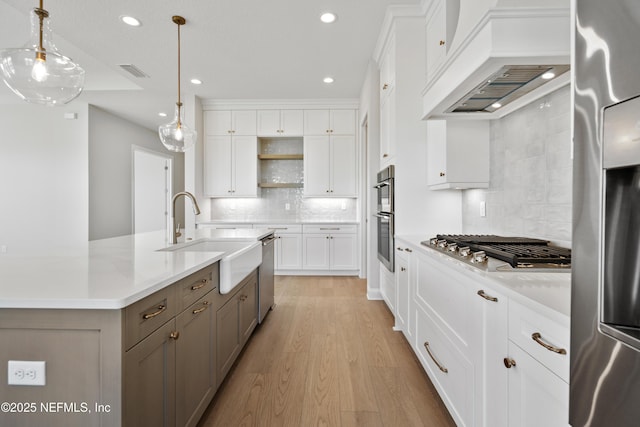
pixel 268 240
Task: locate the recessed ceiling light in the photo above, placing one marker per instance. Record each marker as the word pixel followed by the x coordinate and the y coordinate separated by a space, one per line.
pixel 162 114
pixel 496 105
pixel 328 17
pixel 196 81
pixel 548 75
pixel 130 20
pixel 328 80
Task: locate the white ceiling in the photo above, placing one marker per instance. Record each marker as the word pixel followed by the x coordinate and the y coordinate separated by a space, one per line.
pixel 240 49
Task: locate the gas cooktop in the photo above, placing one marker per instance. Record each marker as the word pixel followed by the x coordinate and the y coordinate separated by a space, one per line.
pixel 518 252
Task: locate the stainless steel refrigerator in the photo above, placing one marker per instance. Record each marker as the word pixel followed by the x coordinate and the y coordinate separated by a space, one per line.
pixel 605 305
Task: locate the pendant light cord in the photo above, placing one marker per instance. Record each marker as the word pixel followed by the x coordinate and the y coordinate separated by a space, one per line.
pixel 41 15
pixel 179 21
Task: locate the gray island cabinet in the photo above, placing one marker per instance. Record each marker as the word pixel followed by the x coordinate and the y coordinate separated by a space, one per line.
pixel 156 362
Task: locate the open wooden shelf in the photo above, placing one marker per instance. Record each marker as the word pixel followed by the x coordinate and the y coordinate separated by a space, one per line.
pixel 280 185
pixel 280 156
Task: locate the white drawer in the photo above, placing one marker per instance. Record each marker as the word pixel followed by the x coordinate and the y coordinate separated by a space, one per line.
pixel 285 228
pixel 544 339
pixel 330 228
pixel 438 354
pixel 446 296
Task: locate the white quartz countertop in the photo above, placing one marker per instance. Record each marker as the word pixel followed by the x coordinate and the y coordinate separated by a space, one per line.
pixel 277 221
pixel 104 274
pixel 541 291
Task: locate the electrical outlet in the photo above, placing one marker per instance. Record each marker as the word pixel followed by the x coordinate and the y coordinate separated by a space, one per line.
pixel 24 372
pixel 483 209
pixel 343 206
pixel 3 249
pixel 287 206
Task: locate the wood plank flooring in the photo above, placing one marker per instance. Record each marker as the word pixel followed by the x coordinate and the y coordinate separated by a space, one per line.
pixel 326 356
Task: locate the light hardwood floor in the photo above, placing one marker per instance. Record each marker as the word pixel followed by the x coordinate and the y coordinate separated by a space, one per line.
pixel 326 356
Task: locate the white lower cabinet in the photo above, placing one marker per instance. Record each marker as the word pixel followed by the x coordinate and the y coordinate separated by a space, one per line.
pixel 329 247
pixel 288 249
pixel 495 361
pixel 537 397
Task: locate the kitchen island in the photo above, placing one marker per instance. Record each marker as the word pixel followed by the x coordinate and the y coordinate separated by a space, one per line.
pixel 128 331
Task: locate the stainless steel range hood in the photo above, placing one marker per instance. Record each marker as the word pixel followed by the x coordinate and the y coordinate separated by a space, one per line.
pixel 501 61
pixel 506 85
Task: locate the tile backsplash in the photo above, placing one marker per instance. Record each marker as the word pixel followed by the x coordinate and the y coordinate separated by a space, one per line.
pixel 530 189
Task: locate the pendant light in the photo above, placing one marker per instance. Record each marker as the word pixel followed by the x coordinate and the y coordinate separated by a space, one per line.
pixel 176 136
pixel 38 73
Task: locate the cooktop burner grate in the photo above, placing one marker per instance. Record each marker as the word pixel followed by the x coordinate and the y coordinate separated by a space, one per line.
pixel 517 251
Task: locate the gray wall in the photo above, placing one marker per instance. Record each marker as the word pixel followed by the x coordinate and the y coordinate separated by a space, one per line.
pixel 111 139
pixel 531 167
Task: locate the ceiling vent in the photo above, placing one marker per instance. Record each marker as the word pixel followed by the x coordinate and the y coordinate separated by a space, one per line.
pixel 504 86
pixel 134 71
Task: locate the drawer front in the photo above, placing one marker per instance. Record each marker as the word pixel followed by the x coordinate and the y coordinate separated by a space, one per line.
pixel 148 314
pixel 447 296
pixel 544 339
pixel 285 228
pixel 330 228
pixel 456 385
pixel 191 288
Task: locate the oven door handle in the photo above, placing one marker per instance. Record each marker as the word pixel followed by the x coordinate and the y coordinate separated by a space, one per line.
pixel 380 185
pixel 387 216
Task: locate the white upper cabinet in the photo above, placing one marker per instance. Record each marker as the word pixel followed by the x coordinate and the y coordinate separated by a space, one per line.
pixel 457 154
pixel 442 20
pixel 230 166
pixel 330 166
pixel 330 122
pixel 227 122
pixel 280 123
pixel 388 102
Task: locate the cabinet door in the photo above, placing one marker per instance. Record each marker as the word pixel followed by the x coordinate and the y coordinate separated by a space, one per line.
pixel 342 122
pixel 217 123
pixel 537 397
pixel 492 314
pixel 248 308
pixel 227 337
pixel 343 252
pixel 436 152
pixel 402 292
pixel 315 252
pixel 344 167
pixel 436 38
pixel 217 166
pixel 387 128
pixel 291 122
pixel 269 123
pixel 316 122
pixel 317 154
pixel 388 69
pixel 244 122
pixel 245 166
pixel 289 252
pixel 195 360
pixel 150 380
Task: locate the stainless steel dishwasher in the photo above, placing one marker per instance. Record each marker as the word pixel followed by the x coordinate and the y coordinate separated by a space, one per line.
pixel 265 277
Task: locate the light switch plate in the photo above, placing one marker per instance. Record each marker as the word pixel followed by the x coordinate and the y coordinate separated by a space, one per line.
pixel 26 372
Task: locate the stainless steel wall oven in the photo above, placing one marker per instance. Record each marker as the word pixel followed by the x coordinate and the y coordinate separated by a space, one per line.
pixel 385 216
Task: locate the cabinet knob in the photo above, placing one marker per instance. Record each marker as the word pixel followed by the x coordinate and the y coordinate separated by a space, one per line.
pixel 509 362
pixel 385 86
pixel 385 155
pixel 408 250
pixel 441 42
pixel 441 173
pixel 174 335
pixel 243 297
pixel 229 131
pixel 400 249
pixel 403 269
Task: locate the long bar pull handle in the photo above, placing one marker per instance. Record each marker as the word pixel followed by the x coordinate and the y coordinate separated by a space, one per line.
pixel 201 285
pixel 487 297
pixel 537 337
pixel 205 305
pixel 442 368
pixel 160 309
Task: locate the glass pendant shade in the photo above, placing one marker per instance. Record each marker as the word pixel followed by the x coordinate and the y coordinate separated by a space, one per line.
pixel 38 73
pixel 176 136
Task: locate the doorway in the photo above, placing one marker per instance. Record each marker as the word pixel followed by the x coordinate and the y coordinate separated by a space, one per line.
pixel 152 182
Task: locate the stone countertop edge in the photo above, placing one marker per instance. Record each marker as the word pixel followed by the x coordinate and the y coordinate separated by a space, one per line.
pixel 546 293
pixel 105 274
